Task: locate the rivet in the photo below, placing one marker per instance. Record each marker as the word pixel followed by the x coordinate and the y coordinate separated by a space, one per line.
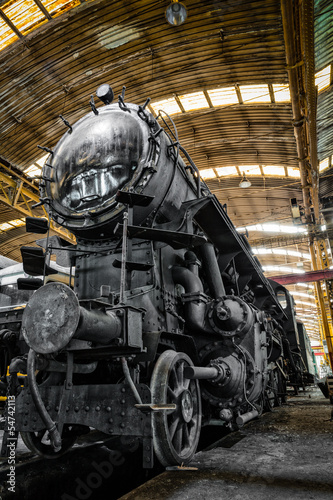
pixel 122 425
pixel 110 420
pixel 87 408
pixel 98 408
pixel 108 408
pixel 123 389
pixel 122 414
pixel 76 408
pixel 123 401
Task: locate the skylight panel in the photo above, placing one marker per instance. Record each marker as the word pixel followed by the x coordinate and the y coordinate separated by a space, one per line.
pixel 281 93
pixel 284 269
pixel 323 165
pixel 42 160
pixel 250 169
pixel 33 171
pixel 275 170
pixel 11 224
pixel 293 172
pixel 276 228
pixel 224 171
pixel 196 100
pixel 223 96
pixel 170 106
pixel 252 94
pixel 323 78
pixel 7 36
pixel 207 173
pixel 56 7
pixel 24 14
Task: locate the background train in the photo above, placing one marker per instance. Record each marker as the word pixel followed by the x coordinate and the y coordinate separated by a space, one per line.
pixel 170 323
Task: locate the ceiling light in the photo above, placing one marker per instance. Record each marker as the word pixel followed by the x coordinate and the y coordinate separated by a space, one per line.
pixel 176 13
pixel 244 183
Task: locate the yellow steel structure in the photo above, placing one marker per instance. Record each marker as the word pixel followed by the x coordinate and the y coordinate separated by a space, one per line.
pixel 20 194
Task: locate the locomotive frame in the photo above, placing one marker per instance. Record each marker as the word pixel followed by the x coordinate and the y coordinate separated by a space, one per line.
pixel 171 323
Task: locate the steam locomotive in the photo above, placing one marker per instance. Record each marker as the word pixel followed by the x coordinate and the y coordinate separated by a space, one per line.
pixel 170 323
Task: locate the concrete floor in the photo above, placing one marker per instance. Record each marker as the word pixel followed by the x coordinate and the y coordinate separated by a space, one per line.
pixel 287 454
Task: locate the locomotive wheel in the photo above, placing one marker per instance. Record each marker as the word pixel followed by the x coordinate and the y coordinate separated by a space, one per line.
pixel 273 396
pixel 175 432
pixel 38 442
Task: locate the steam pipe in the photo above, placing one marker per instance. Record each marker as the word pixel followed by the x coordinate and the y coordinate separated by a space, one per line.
pixel 195 308
pixel 212 269
pixel 36 397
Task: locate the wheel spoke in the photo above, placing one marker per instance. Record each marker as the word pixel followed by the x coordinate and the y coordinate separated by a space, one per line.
pixel 180 373
pixel 178 439
pixel 186 436
pixel 187 382
pixel 173 428
pixel 172 395
pixel 175 375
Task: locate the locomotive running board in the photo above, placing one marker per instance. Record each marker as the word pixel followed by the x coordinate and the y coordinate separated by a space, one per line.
pixel 149 407
pixel 173 238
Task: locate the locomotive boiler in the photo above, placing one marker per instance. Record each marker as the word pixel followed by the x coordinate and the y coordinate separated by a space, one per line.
pixel 170 323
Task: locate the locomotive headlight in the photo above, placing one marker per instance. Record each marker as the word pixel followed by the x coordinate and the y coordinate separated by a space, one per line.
pixel 97 159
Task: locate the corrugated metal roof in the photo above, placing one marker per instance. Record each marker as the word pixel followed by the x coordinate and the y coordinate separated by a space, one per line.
pixel 323 33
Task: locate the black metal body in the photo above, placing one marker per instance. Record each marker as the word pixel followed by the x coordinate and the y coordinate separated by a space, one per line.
pixel 159 267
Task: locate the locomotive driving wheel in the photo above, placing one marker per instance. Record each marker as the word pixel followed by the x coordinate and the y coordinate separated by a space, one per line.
pixel 39 442
pixel 175 432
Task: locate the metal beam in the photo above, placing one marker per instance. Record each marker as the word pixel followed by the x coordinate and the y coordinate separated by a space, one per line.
pixel 310 276
pixel 18 195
